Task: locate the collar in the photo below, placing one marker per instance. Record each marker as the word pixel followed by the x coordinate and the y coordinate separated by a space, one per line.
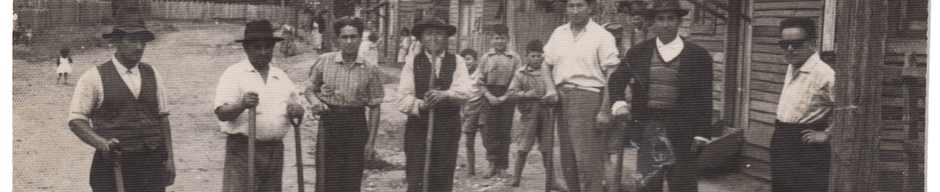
pixel 811 63
pixel 587 27
pixel 245 65
pixel 338 59
pixel 439 56
pixel 507 52
pixel 122 69
pixel 531 71
pixel 671 50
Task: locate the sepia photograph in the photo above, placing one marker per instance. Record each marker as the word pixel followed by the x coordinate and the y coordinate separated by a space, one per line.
pixel 469 95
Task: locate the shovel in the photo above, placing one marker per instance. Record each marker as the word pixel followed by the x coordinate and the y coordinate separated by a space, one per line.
pixel 299 154
pixel 118 175
pixel 427 152
pixel 252 113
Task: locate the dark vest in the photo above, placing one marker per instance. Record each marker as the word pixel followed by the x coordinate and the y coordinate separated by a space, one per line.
pixel 663 79
pixel 135 122
pixel 423 70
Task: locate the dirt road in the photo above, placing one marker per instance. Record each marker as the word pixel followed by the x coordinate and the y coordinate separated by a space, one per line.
pixel 48 157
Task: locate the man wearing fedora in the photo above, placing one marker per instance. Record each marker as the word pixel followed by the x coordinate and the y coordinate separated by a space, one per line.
pixel 433 79
pixel 255 83
pixel 581 55
pixel 120 106
pixel 671 90
pixel 341 86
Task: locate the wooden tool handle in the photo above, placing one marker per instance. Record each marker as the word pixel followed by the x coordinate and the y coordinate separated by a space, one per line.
pixel 298 149
pixel 252 113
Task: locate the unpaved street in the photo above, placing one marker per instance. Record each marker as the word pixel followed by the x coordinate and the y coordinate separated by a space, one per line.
pixel 48 157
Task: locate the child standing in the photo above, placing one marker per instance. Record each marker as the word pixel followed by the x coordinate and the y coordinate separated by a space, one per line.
pixel 494 74
pixel 533 88
pixel 63 66
pixel 470 112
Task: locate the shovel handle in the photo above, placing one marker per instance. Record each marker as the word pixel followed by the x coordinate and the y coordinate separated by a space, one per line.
pixel 252 113
pixel 118 175
pixel 298 149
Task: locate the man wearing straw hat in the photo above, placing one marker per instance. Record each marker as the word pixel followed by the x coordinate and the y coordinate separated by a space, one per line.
pixel 120 105
pixel 421 101
pixel 671 90
pixel 254 83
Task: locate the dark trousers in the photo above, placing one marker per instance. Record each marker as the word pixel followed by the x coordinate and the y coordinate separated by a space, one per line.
pixel 340 149
pixel 269 165
pixel 797 166
pixel 577 129
pixel 497 134
pixel 444 144
pixel 681 175
pixel 141 170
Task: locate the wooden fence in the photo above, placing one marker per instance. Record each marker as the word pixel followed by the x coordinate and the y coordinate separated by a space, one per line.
pixel 47 14
pixel 204 11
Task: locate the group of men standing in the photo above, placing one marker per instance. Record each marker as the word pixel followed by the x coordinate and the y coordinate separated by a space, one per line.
pixel 577 81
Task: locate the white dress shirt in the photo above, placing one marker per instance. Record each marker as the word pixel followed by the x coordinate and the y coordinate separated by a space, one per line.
pixel 273 97
pixel 583 59
pixel 89 91
pixel 460 88
pixel 807 94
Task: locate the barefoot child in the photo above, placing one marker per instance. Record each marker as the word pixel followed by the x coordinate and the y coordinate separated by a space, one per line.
pixel 532 87
pixel 63 66
pixel 470 112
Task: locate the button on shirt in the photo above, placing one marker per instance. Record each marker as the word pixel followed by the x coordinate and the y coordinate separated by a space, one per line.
pixel 807 94
pixel 345 84
pixel 273 96
pixel 460 88
pixel 582 59
pixel 496 68
pixel 89 91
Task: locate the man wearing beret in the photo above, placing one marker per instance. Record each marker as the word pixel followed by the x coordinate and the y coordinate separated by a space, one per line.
pixel 255 83
pixel 120 108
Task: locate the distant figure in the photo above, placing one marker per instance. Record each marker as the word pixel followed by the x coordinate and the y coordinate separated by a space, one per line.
pixel 799 149
pixel 63 66
pixel 406 46
pixel 533 88
pixel 315 38
pixel 368 50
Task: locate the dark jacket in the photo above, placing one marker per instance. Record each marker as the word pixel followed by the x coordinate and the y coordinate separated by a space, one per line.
pixel 694 86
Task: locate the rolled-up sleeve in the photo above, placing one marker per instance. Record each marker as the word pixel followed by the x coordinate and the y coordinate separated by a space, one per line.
pixel 87 96
pixel 607 53
pixel 407 102
pixel 551 54
pixel 461 88
pixel 376 91
pixel 226 92
pixel 161 94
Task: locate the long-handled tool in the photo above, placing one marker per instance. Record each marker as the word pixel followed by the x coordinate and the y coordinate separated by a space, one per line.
pixel 118 174
pixel 427 152
pixel 299 153
pixel 252 113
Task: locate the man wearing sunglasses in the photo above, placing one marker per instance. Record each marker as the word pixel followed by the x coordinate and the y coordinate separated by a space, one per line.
pixel 799 147
pixel 121 106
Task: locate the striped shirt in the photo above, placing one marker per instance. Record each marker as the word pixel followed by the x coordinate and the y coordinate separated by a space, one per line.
pixel 807 94
pixel 337 83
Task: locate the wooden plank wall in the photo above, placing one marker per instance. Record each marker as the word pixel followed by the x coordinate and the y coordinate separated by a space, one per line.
pixel 768 68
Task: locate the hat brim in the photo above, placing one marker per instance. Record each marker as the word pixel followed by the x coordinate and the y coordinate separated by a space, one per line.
pixel 420 28
pixel 275 39
pixel 652 13
pixel 117 33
